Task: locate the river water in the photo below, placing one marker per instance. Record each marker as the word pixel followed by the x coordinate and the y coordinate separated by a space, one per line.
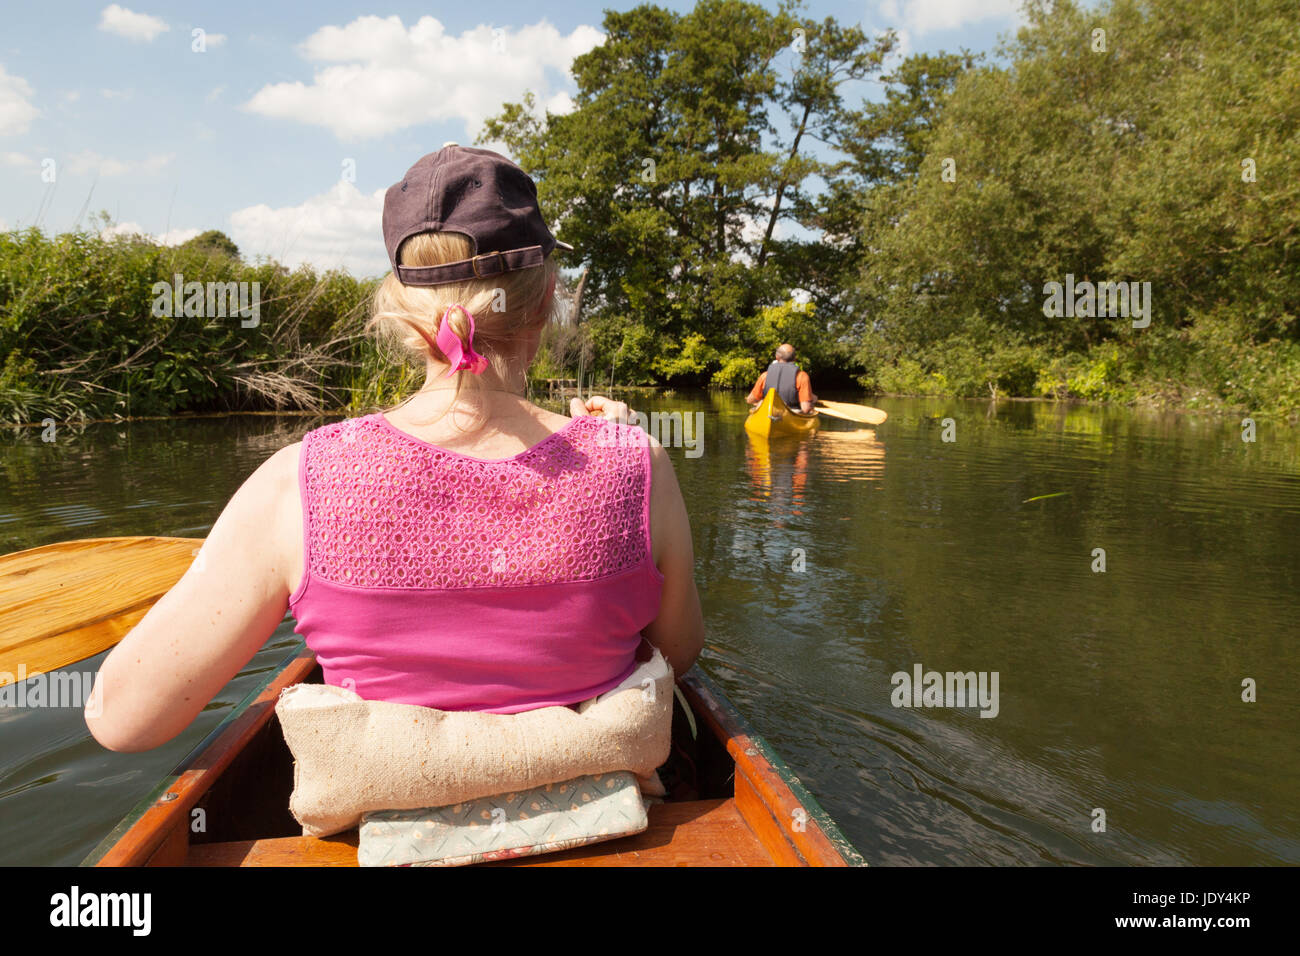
pixel 1126 612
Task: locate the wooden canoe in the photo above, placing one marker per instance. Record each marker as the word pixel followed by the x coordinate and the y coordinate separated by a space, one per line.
pixel 772 417
pixel 741 807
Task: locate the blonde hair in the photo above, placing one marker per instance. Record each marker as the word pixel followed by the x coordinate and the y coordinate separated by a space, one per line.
pixel 504 306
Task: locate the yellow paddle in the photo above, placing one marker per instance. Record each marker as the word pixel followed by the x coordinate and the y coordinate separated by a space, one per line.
pixel 862 414
pixel 64 602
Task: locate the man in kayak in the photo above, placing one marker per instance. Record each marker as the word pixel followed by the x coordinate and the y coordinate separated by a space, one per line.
pixel 791 382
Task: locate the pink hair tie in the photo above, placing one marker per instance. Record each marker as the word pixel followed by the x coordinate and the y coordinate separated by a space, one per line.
pixel 449 344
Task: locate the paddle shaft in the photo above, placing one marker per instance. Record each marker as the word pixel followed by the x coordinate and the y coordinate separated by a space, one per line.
pixel 862 414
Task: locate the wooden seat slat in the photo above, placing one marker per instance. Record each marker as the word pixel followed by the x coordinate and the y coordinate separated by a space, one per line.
pixel 690 833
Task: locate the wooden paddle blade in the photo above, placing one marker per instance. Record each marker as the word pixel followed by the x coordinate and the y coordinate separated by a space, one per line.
pixel 863 414
pixel 64 602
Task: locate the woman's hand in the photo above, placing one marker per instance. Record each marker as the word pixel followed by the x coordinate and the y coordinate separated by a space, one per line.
pixel 606 408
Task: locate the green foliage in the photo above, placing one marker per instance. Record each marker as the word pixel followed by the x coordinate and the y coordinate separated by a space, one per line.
pixel 1229 369
pixel 378 382
pixel 1100 376
pixel 908 377
pixel 960 194
pixel 213 242
pixel 692 360
pixel 1123 165
pixel 737 371
pixel 82 338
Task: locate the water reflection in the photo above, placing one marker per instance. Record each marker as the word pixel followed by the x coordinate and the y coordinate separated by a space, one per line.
pixel 779 467
pixel 823 573
pixel 854 455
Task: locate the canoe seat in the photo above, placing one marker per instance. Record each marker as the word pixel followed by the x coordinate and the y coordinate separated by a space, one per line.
pixel 690 833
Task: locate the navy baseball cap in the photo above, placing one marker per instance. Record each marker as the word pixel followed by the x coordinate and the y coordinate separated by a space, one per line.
pixel 478 193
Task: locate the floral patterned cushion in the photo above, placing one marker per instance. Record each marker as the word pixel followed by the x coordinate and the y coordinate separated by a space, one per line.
pixel 557 816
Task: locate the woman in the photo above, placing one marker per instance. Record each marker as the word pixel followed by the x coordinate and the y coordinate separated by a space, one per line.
pixel 467 550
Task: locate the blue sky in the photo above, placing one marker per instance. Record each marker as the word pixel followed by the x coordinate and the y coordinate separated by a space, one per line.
pixel 258 134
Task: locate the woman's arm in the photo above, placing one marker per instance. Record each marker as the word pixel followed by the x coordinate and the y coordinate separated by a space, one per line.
pixel 206 628
pixel 678 631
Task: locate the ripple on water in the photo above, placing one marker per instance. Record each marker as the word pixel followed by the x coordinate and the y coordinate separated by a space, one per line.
pixel 1117 685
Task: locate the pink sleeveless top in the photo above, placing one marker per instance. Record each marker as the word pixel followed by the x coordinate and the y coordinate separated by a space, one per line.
pixel 437 579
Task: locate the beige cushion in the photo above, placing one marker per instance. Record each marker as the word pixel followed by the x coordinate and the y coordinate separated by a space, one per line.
pixel 352 756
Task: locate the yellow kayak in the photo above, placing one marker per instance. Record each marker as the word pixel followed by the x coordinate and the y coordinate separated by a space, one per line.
pixel 773 417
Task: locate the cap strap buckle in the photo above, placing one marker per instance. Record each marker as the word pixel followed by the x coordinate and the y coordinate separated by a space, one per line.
pixel 487 255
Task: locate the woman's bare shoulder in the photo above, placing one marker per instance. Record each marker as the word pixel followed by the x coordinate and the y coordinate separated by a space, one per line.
pixel 282 467
pixel 282 489
pixel 269 497
pixel 548 419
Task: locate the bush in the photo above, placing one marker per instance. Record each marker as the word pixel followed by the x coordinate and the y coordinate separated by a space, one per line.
pixel 1014 369
pixel 692 361
pixel 908 377
pixel 80 337
pixel 1099 377
pixel 738 371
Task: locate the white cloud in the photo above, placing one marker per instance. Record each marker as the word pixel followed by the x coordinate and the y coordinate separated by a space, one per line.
pixel 173 237
pixel 216 92
pixel 382 76
pixel 924 16
pixel 129 24
pixel 16 110
pixel 560 104
pixel 904 48
pixel 72 96
pixel 115 94
pixel 123 229
pixel 89 161
pixel 341 228
pixel 214 40
pixel 16 159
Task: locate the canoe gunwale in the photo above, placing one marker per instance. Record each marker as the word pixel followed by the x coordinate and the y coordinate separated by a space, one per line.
pixel 820 841
pixel 166 810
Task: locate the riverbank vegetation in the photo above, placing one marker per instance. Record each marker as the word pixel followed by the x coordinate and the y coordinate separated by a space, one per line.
pixel 1153 144
pixel 79 337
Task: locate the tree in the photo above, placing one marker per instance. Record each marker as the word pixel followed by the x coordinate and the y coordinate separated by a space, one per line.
pixel 661 176
pixel 1113 146
pixel 213 242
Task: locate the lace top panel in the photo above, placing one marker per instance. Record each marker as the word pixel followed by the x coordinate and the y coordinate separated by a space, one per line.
pixel 387 510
